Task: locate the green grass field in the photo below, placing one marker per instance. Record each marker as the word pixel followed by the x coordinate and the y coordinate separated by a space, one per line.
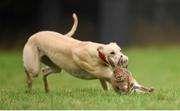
pixel 152 66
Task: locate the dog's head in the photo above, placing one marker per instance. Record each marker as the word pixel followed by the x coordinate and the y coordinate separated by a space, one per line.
pixel 112 51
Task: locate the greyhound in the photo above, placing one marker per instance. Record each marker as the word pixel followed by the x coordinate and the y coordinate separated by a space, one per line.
pixel 82 59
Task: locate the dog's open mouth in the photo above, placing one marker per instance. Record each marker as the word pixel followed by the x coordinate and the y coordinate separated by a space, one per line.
pixel 119 62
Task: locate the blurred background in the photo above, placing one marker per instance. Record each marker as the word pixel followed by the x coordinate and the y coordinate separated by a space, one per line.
pixel 148 31
pixel 127 22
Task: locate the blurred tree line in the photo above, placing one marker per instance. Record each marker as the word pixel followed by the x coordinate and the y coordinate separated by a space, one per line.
pixel 127 22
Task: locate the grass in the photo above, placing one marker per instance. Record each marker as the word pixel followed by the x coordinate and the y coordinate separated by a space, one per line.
pixel 151 66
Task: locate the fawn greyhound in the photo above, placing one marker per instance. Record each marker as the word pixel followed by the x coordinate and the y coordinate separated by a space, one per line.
pixel 82 59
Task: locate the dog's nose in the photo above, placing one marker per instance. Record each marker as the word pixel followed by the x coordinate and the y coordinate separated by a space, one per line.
pixel 125 61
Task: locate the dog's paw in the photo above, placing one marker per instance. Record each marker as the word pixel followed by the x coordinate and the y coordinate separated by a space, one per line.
pixel 45 70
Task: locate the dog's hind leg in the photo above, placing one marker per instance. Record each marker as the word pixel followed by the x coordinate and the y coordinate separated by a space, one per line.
pixel 31 63
pixel 28 80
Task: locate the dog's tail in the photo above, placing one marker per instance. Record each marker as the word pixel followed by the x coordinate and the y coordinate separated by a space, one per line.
pixel 74 27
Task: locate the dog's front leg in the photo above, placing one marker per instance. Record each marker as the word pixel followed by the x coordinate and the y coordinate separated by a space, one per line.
pixel 104 84
pixel 47 71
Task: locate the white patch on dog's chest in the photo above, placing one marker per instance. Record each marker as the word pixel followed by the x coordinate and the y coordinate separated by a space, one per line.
pixel 82 75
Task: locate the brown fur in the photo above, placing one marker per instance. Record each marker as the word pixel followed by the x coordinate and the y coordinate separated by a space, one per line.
pixel 122 81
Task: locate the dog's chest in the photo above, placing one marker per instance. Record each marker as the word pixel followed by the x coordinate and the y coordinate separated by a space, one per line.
pixel 82 74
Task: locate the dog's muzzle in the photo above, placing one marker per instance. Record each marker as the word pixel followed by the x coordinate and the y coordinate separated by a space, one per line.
pixel 122 61
pixel 119 61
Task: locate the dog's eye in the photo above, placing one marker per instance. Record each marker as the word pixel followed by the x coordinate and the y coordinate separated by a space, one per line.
pixel 120 50
pixel 112 53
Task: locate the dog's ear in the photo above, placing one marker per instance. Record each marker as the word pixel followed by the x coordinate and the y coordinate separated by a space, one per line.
pixel 100 48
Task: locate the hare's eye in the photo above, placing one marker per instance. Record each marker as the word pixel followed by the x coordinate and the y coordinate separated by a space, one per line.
pixel 112 53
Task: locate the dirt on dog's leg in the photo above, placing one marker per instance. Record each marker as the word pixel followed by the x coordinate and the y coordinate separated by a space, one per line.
pixel 45 83
pixel 28 80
